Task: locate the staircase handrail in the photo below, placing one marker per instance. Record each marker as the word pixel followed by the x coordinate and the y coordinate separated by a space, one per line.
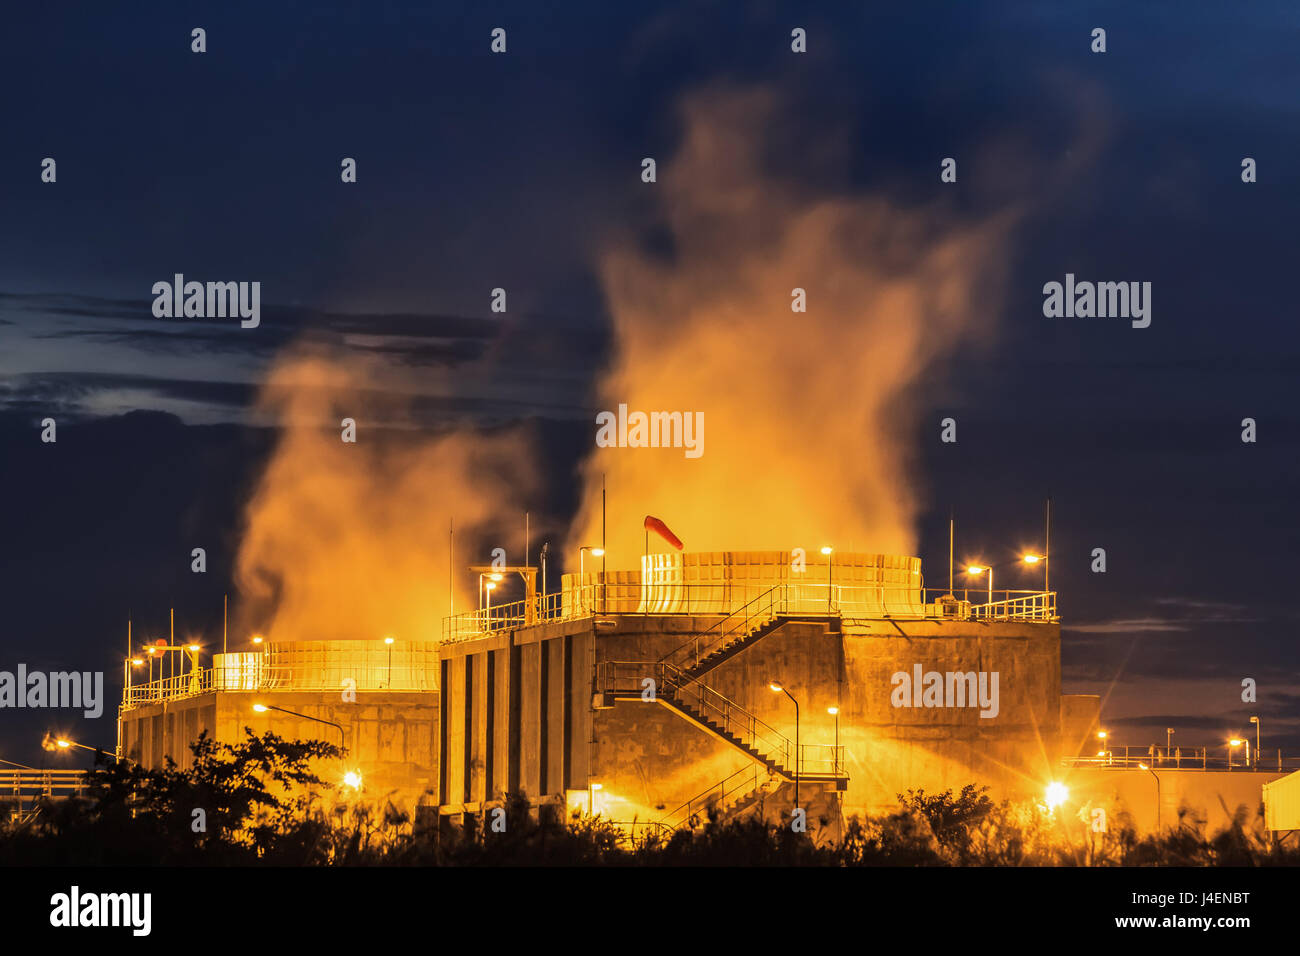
pixel 720 788
pixel 722 637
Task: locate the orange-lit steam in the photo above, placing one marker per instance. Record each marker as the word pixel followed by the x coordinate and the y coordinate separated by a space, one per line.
pixel 350 540
pixel 806 420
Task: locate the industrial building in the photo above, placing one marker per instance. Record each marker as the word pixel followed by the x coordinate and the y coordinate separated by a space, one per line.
pixel 724 680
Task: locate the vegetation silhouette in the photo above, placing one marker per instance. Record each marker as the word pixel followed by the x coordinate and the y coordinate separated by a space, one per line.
pixel 262 802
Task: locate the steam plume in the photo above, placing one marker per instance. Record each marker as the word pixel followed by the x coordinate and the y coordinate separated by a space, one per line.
pixel 350 540
pixel 807 422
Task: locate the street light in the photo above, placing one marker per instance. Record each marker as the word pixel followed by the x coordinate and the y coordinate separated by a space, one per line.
pixel 1101 735
pixel 980 569
pixel 779 688
pixel 55 744
pixel 1255 721
pixel 1153 773
pixel 263 708
pixel 1234 742
pixel 835 712
pixel 830 574
pixel 388 680
pixel 1056 794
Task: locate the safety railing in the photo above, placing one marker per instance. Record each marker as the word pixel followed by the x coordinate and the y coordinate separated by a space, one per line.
pixel 634 832
pixel 1031 606
pixel 314 673
pixel 753 613
pixel 20 790
pixel 702 701
pixel 743 781
pixel 1185 758
pixel 740 606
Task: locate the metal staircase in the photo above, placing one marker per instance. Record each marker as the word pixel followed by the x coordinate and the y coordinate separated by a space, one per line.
pixel 745 626
pixel 692 699
pixel 728 798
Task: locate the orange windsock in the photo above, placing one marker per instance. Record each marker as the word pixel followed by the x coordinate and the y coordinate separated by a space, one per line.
pixel 658 527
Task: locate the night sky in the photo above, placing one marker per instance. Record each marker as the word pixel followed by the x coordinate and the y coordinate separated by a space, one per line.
pixel 477 171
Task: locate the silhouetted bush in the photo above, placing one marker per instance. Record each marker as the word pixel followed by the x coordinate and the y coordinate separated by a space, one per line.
pixel 262 803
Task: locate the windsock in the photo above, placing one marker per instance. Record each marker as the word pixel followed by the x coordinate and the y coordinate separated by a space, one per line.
pixel 658 527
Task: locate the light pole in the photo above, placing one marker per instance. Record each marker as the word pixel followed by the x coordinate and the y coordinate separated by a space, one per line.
pixel 1234 742
pixel 1255 721
pixel 1153 773
pixel 835 760
pixel 1169 742
pixel 778 687
pixel 263 708
pixel 830 577
pixel 1101 735
pixel 1032 559
pixel 596 552
pixel 486 588
pixel 546 549
pixel 981 569
pixel 389 678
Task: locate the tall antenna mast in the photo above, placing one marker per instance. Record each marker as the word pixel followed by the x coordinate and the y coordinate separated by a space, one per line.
pixel 526 538
pixel 604 550
pixel 451 565
pixel 1047 549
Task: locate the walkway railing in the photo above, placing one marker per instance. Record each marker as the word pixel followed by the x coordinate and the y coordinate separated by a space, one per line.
pixel 1198 758
pixel 739 605
pixel 410 667
pixel 20 790
pixel 743 781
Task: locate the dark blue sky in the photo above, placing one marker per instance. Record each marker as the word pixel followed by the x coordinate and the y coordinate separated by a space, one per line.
pixel 477 171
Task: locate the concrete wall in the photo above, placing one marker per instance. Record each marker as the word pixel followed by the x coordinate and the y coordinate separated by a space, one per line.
pixel 392 738
pixel 1213 796
pixel 1080 721
pixel 648 759
pixel 518 716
